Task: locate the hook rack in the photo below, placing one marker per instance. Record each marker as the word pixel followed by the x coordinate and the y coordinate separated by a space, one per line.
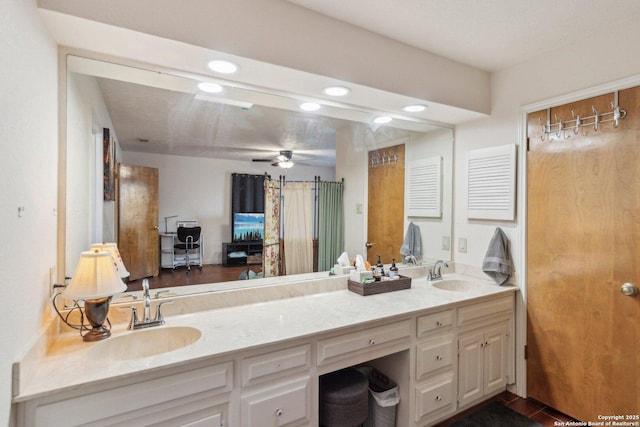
pixel 380 158
pixel 559 128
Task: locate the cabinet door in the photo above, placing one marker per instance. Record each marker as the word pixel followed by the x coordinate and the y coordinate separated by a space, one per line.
pixel 283 404
pixel 470 367
pixel 495 358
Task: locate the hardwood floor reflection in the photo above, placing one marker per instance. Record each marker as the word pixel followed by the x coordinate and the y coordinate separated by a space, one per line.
pixel 211 273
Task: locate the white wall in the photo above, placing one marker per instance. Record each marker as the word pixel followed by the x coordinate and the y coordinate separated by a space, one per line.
pixel 29 139
pixel 200 188
pixel 89 218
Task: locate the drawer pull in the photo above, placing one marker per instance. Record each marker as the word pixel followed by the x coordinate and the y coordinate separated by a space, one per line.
pixel 438 357
pixel 372 341
pixel 438 323
pixel 279 412
pixel 438 398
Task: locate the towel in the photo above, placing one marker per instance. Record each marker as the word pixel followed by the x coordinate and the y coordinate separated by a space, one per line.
pixel 497 260
pixel 412 244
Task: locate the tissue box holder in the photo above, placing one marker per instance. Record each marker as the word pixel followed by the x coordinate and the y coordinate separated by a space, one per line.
pixel 379 287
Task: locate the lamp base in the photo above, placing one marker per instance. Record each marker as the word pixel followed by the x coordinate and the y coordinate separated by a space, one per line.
pixel 96 334
pixel 96 311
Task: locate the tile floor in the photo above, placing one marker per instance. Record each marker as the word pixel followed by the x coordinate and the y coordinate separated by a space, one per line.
pixel 537 411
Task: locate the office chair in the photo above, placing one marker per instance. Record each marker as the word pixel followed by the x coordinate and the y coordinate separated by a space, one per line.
pixel 189 241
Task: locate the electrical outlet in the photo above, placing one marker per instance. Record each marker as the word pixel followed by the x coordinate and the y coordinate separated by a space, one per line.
pixel 462 245
pixel 446 243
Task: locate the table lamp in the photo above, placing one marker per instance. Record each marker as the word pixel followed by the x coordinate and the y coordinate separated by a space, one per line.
pixel 112 248
pixel 95 281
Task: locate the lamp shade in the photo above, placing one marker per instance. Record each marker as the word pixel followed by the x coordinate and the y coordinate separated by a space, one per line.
pixel 112 248
pixel 95 277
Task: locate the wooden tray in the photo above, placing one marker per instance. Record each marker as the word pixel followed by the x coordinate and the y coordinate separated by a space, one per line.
pixel 379 287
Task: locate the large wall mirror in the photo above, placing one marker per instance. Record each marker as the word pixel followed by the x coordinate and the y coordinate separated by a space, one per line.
pixel 197 140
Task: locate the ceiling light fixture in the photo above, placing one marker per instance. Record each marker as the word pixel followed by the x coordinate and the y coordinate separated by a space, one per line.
pixel 310 106
pixel 416 108
pixel 336 90
pixel 286 164
pixel 210 87
pixel 224 67
pixel 382 120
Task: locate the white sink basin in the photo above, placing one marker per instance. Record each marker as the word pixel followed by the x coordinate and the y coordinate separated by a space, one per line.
pixel 145 343
pixel 457 285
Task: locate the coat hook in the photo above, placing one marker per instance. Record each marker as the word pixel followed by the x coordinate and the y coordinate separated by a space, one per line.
pixel 576 129
pixel 597 118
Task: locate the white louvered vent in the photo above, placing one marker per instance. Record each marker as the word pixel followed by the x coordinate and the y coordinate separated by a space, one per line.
pixel 424 189
pixel 491 183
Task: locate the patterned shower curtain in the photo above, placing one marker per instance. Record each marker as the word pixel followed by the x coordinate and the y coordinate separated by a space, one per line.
pixel 271 243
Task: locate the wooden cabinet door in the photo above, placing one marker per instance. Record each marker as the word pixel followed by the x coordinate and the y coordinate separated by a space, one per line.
pixel 583 229
pixel 470 367
pixel 495 359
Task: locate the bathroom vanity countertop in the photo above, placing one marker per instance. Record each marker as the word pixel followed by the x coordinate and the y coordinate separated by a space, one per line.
pixel 66 364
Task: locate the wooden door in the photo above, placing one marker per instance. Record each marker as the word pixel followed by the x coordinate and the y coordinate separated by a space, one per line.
pixel 385 208
pixel 138 239
pixel 583 244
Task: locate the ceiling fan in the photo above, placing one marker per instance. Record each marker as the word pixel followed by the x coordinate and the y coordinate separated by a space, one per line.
pixel 283 159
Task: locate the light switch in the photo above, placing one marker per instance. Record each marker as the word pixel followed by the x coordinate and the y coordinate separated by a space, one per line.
pixel 462 245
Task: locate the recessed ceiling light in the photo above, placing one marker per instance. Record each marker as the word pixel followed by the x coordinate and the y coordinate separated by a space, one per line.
pixel 382 119
pixel 336 90
pixel 210 87
pixel 224 67
pixel 310 106
pixel 414 108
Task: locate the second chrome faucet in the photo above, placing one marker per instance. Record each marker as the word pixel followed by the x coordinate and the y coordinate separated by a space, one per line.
pixel 147 321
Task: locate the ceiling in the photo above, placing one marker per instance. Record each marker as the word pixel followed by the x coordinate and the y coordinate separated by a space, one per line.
pixel 497 34
pixel 487 34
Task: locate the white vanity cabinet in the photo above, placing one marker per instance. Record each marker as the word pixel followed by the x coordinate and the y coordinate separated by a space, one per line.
pixel 485 349
pixel 198 396
pixel 435 390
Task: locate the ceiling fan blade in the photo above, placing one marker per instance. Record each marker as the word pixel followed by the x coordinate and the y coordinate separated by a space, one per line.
pixel 262 160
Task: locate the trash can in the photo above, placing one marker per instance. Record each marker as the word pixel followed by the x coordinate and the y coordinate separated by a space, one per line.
pixel 384 397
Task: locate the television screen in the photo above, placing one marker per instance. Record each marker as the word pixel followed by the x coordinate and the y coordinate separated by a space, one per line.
pixel 248 227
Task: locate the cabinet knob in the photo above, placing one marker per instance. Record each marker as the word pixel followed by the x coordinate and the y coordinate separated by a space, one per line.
pixel 279 412
pixel 438 323
pixel 438 398
pixel 372 341
pixel 438 357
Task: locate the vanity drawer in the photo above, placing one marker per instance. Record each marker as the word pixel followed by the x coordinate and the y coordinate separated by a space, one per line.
pixel 434 355
pixel 280 405
pixel 436 395
pixel 344 346
pixel 471 313
pixel 269 365
pixel 433 322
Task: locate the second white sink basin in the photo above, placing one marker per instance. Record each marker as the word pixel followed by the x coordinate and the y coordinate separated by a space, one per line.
pixel 457 285
pixel 145 343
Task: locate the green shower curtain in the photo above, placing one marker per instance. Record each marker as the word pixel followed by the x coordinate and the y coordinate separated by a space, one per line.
pixel 331 224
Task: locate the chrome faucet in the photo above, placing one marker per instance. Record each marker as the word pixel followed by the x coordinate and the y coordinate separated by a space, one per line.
pixel 147 322
pixel 147 300
pixel 435 273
